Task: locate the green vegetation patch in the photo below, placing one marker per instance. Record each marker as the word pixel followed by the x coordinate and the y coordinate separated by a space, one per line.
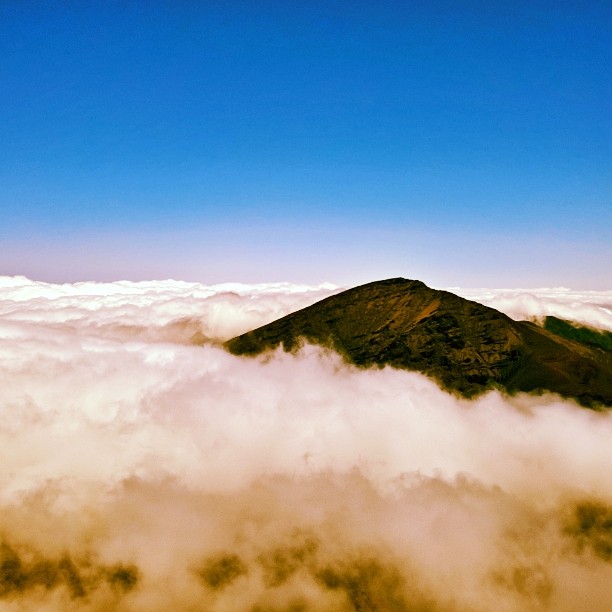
pixel 585 335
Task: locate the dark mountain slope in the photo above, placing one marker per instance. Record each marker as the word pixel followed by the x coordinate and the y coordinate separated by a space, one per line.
pixel 465 346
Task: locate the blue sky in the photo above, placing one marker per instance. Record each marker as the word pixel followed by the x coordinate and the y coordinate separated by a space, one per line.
pixel 462 143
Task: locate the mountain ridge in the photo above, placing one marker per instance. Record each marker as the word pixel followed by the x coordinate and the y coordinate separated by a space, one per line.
pixel 465 346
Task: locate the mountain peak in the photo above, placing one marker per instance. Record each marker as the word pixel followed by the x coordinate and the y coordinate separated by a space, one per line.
pixel 465 346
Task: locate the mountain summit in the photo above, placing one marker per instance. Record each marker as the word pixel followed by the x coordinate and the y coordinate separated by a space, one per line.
pixel 465 346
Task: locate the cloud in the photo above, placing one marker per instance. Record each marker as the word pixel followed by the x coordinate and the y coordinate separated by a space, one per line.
pixel 141 471
pixel 592 308
pixel 153 310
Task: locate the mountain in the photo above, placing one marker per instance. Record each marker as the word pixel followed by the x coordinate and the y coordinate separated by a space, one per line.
pixel 465 346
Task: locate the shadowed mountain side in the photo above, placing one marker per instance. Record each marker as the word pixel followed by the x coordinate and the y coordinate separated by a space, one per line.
pixel 465 346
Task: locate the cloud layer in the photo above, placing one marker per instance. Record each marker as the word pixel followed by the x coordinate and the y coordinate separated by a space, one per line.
pixel 141 471
pixel 592 308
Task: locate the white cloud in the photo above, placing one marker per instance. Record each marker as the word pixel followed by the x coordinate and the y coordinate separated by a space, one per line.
pixel 593 308
pixel 229 483
pixel 154 310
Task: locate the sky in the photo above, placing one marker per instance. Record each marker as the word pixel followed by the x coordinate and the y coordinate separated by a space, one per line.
pixel 464 144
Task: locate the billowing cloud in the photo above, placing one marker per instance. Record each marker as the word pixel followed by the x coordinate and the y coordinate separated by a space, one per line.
pixel 153 311
pixel 141 471
pixel 592 308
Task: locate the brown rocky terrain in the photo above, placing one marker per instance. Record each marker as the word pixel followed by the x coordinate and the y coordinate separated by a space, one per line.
pixel 465 346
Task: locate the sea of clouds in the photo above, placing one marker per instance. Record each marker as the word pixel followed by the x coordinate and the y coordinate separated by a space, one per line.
pixel 145 468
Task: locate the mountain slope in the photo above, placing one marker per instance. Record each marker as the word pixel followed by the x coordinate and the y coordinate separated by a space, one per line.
pixel 588 336
pixel 465 346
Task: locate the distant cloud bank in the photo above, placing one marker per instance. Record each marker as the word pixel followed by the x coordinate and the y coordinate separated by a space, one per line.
pixel 145 468
pixel 592 308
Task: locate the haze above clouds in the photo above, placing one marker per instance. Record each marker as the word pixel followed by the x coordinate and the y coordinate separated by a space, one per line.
pixel 143 472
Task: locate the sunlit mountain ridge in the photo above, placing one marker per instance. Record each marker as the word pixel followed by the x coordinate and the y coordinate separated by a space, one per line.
pixel 465 346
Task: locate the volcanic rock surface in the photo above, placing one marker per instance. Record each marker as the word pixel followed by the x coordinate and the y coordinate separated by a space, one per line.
pixel 465 346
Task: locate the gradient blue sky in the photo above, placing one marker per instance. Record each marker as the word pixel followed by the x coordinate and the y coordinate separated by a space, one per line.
pixel 462 143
